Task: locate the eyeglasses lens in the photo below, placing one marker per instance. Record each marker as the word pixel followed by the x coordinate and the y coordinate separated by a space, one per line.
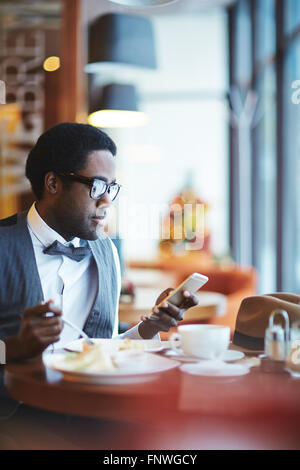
pixel 113 191
pixel 99 188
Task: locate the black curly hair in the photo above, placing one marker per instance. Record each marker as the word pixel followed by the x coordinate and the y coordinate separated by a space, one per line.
pixel 63 149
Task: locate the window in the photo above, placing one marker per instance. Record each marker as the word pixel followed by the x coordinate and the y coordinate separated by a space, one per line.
pixel 264 181
pixel 240 154
pixel 264 154
pixel 291 180
pixel 265 30
pixel 242 46
pixel 292 16
pixel 275 144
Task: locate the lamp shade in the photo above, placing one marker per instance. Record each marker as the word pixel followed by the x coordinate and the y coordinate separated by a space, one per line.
pixel 123 39
pixel 116 106
pixel 118 97
pixel 143 3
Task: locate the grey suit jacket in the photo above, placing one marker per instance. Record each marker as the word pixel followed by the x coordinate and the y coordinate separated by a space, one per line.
pixel 20 285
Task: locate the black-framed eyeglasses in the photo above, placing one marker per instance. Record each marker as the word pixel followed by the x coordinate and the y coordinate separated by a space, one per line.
pixel 98 187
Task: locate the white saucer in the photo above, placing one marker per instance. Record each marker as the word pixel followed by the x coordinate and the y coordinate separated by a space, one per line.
pixel 228 356
pixel 215 369
pixel 232 356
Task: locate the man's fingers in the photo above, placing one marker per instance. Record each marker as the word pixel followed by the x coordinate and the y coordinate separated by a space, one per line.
pixel 190 300
pixel 47 340
pixel 170 309
pixel 167 315
pixel 45 332
pixel 40 310
pixel 163 295
pixel 55 325
pixel 163 321
pixel 42 322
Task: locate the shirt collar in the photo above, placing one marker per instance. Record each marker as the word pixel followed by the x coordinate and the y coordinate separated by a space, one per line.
pixel 45 234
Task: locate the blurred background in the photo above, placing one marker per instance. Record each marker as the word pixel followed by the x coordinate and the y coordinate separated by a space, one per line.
pixel 212 93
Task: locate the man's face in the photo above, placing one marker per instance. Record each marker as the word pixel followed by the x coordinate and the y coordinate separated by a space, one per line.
pixel 77 214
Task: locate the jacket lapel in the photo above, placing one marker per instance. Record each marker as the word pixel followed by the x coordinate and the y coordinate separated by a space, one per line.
pixel 32 280
pixel 101 319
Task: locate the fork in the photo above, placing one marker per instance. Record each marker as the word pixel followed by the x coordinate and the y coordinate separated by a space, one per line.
pixel 82 333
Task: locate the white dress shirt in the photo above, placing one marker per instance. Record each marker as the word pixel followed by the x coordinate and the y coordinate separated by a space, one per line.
pixel 73 285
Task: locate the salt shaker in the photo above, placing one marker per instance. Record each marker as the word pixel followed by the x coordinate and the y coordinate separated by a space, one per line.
pixel 277 338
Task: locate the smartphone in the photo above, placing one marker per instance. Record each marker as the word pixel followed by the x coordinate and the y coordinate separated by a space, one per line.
pixel 193 283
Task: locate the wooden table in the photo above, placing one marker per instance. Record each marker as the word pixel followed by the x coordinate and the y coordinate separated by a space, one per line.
pixel 210 304
pixel 177 411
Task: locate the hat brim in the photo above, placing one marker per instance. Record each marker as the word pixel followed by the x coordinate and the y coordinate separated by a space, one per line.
pixel 248 352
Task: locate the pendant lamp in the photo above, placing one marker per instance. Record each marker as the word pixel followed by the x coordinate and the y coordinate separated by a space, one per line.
pixel 143 3
pixel 116 106
pixel 121 39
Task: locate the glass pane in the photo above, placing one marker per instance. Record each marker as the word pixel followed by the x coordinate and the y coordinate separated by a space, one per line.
pixel 291 173
pixel 28 34
pixel 265 189
pixel 185 141
pixel 243 49
pixel 265 30
pixel 292 15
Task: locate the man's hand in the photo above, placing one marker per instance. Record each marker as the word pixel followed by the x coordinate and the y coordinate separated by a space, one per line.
pixel 167 315
pixel 36 333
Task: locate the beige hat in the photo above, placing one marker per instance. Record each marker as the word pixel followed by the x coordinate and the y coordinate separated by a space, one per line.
pixel 253 318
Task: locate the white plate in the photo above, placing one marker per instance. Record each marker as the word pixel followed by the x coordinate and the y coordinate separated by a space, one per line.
pixel 153 345
pixel 214 369
pixel 228 356
pixel 149 369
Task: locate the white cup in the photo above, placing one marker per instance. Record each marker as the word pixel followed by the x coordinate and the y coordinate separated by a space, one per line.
pixel 203 341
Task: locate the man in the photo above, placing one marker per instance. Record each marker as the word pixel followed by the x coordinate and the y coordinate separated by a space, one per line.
pixel 56 258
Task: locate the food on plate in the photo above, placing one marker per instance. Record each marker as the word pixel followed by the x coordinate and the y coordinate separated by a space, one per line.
pixel 128 343
pixel 93 359
pixel 100 357
pixel 121 345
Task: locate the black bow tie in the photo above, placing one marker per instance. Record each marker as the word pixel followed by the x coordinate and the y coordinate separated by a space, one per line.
pixel 76 254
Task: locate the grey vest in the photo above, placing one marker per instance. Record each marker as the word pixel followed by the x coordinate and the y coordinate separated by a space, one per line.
pixel 20 285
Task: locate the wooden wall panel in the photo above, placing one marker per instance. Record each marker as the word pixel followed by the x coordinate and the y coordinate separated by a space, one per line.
pixel 72 100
